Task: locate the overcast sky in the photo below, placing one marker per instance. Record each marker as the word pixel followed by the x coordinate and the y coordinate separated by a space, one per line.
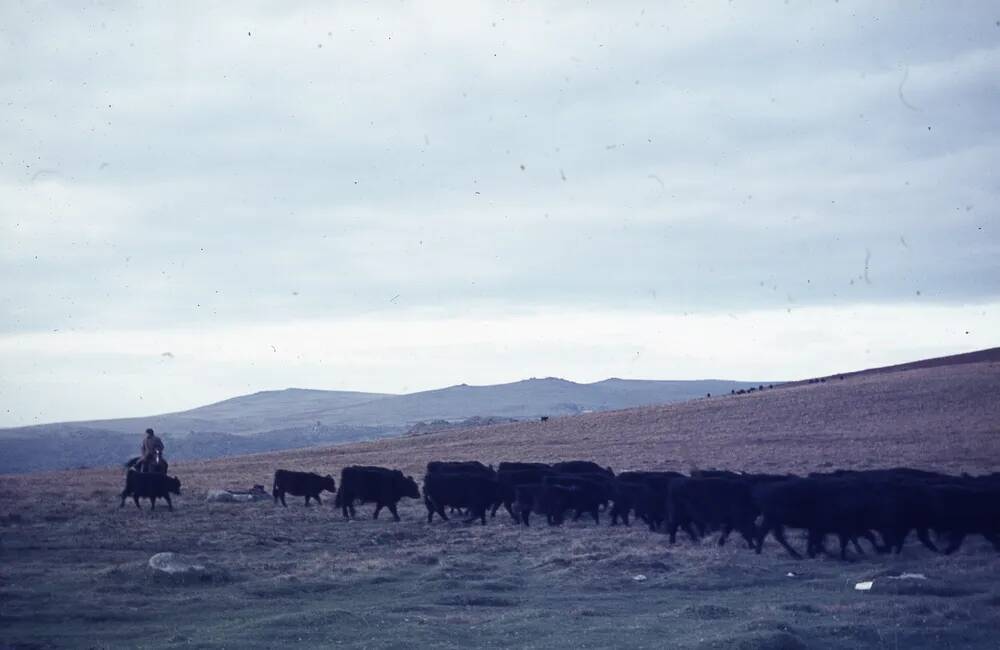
pixel 199 201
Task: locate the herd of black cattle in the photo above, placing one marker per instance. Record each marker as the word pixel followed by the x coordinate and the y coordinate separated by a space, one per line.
pixel 880 506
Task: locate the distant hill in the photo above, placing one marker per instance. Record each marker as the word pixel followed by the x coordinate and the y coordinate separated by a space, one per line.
pixel 292 418
pixel 943 417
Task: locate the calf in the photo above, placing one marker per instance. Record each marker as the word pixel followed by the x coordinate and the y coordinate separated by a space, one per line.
pixel 711 503
pixel 651 496
pixel 474 492
pixel 579 493
pixel 512 475
pixel 151 486
pixel 300 484
pixel 460 467
pixel 378 485
pixel 526 500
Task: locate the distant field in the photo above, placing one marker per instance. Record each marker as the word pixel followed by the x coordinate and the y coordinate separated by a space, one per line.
pixel 73 566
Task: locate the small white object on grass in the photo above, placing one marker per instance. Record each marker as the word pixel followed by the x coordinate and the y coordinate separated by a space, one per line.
pixel 639 578
pixel 790 574
pixel 909 576
pixel 864 586
pixel 173 563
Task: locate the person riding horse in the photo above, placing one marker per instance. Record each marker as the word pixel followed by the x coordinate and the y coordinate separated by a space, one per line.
pixel 151 454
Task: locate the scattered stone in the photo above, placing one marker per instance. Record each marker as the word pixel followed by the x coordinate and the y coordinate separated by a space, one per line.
pixel 257 493
pixel 174 567
pixel 220 496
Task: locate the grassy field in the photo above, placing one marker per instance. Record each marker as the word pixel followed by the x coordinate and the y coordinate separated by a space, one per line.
pixel 75 574
pixel 73 566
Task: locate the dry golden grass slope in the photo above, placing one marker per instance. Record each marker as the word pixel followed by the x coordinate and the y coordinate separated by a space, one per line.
pixel 945 418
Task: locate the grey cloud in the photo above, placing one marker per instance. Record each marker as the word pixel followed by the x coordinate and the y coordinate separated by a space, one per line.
pixel 239 169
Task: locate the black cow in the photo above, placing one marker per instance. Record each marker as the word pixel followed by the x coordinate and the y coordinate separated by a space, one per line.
pixel 968 508
pixel 710 503
pixel 625 495
pixel 151 486
pixel 526 500
pixel 379 485
pixel 300 484
pixel 651 497
pixel 475 492
pixel 553 501
pixel 581 467
pixel 460 467
pixel 582 493
pixel 847 507
pixel 512 475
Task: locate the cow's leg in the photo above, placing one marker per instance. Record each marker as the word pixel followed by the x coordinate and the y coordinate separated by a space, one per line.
pixel 815 543
pixel 307 500
pixel 749 533
pixel 924 536
pixel 597 516
pixel 955 543
pixel 430 509
pixel 152 503
pixel 889 538
pixel 124 496
pixel 765 527
pixel 392 509
pixel 691 532
pixel 135 497
pixel 475 512
pixel 778 532
pixel 378 509
pixel 507 506
pixel 440 511
pixel 170 504
pixel 282 495
pixel 526 516
pixel 844 538
pixel 318 500
pixel 726 529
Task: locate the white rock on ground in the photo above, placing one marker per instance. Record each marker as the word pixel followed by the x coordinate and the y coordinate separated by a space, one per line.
pixel 220 496
pixel 173 564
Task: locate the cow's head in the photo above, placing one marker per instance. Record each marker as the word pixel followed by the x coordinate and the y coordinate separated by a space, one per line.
pixel 410 488
pixel 174 485
pixel 329 484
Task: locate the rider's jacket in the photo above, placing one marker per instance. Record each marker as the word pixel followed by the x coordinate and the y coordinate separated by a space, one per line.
pixel 151 445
